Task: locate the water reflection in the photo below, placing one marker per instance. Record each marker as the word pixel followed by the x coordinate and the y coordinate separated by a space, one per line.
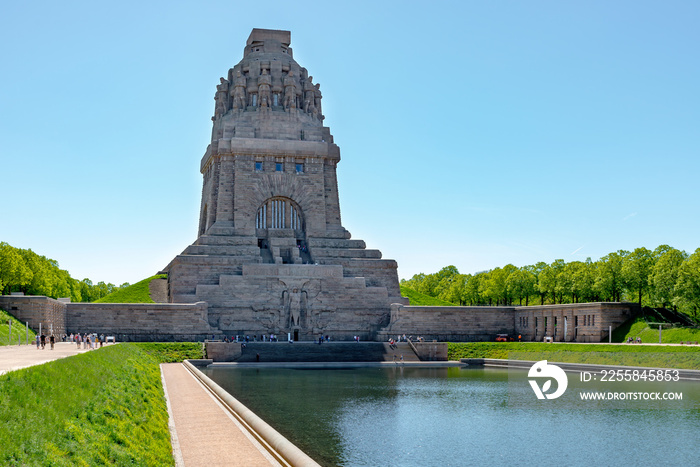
pixel 452 416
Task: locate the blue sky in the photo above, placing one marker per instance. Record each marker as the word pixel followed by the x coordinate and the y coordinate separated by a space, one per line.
pixel 471 133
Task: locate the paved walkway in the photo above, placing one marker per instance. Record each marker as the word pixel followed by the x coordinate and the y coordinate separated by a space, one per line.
pixel 204 433
pixel 14 357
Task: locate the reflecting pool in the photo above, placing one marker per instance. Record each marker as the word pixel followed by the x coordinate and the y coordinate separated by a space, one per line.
pixel 404 416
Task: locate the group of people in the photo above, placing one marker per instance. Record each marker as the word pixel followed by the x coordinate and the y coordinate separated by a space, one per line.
pixel 42 339
pixel 245 339
pixel 88 341
pixel 633 340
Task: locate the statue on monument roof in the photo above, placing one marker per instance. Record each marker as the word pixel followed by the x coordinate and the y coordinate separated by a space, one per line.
pixel 290 91
pixel 238 91
pixel 221 98
pixel 264 96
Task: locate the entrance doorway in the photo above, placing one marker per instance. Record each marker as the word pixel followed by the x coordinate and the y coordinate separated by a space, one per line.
pixel 296 335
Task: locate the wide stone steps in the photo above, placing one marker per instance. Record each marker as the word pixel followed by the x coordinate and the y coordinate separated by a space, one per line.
pixel 326 352
pixel 346 253
pixel 335 243
pixel 223 250
pixel 226 240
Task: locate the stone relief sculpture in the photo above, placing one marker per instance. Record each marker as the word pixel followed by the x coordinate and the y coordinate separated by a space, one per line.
pixel 294 307
pixel 309 96
pixel 264 96
pixel 221 98
pixel 317 101
pixel 290 91
pixel 238 92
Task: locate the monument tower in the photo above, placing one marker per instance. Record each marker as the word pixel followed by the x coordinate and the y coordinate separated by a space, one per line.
pixel 272 255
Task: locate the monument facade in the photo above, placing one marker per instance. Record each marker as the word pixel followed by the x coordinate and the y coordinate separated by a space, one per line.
pixel 272 256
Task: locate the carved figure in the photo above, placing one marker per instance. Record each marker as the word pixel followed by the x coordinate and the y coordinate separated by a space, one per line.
pixel 309 96
pixel 238 92
pixel 221 98
pixel 290 91
pixel 264 82
pixel 317 101
pixel 294 307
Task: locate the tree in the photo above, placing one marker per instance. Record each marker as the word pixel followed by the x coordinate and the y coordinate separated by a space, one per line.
pixel 584 281
pixel 608 281
pixel 472 290
pixel 457 291
pixel 495 286
pixel 548 279
pixel 522 284
pixel 688 285
pixel 664 276
pixel 636 269
pixel 571 280
pixel 14 272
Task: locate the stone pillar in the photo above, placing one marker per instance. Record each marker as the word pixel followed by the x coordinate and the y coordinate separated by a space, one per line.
pixel 224 201
pixel 331 195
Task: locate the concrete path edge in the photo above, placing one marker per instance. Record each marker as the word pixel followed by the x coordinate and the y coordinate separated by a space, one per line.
pixel 174 441
pixel 280 447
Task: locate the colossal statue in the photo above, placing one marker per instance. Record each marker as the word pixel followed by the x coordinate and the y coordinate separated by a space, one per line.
pixel 290 91
pixel 264 96
pixel 309 95
pixel 221 98
pixel 238 92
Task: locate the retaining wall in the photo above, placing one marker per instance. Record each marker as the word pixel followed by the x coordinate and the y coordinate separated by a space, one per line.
pixel 576 322
pixel 142 322
pixel 35 310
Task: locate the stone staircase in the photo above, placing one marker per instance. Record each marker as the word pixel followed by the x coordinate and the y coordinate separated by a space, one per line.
pixel 326 352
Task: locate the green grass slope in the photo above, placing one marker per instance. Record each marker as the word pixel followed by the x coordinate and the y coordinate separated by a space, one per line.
pixel 601 354
pixel 19 330
pixel 136 293
pixel 104 407
pixel 638 327
pixel 419 299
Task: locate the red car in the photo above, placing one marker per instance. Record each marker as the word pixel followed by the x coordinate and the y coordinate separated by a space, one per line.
pixel 504 338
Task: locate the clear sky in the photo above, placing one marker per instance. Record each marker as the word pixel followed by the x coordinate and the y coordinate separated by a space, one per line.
pixel 471 133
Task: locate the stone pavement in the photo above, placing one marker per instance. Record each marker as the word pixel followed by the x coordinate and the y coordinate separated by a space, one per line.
pixel 203 432
pixel 14 357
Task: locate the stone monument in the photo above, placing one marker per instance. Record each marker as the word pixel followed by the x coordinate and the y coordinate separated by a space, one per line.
pixel 272 256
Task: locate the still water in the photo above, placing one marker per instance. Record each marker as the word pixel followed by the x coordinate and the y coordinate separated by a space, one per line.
pixel 454 417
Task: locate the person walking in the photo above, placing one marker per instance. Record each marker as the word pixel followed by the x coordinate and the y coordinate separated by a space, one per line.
pixel 52 340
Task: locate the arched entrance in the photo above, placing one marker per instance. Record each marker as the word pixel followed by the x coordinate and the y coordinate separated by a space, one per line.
pixel 281 232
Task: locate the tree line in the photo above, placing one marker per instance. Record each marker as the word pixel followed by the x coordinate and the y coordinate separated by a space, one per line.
pixel 665 277
pixel 25 271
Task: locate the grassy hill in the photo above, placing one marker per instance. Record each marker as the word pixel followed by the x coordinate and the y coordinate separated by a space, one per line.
pixel 18 330
pixel 419 299
pixel 638 327
pixel 51 416
pixel 655 356
pixel 136 293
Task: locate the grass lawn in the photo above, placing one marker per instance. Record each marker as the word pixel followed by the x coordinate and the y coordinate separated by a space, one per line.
pixel 638 327
pixel 602 354
pixel 419 299
pixel 102 407
pixel 18 330
pixel 136 293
